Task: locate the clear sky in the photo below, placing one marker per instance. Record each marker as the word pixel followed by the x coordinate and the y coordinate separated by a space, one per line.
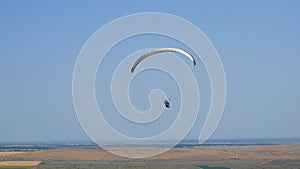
pixel 258 42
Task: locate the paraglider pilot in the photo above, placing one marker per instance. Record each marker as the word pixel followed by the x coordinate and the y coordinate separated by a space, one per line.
pixel 167 103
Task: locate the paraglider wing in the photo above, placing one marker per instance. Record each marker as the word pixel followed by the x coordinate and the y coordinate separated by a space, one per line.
pixel 161 50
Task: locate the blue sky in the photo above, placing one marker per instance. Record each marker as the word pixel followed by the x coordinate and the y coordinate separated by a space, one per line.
pixel 258 43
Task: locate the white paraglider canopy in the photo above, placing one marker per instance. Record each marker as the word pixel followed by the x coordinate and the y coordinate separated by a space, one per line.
pixel 161 50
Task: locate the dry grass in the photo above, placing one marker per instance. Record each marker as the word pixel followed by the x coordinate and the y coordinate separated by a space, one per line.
pixel 223 152
pixel 242 152
pixel 5 154
pixel 277 156
pixel 19 163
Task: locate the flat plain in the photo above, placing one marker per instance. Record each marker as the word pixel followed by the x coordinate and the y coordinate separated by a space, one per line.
pixel 206 157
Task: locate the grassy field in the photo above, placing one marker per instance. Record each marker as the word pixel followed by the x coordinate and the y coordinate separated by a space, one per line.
pixel 19 164
pixel 211 157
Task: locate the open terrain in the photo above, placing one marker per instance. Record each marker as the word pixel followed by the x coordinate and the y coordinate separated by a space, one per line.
pixel 19 164
pixel 206 157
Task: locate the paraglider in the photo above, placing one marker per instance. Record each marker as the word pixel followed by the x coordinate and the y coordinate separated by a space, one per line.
pixel 161 50
pixel 167 103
